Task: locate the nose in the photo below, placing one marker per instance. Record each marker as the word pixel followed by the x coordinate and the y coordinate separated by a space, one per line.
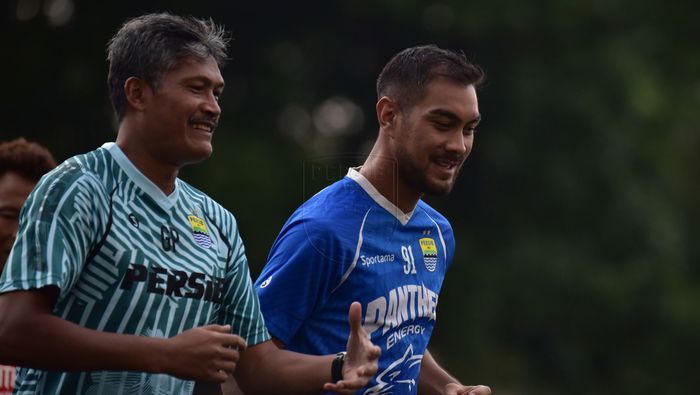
pixel 458 143
pixel 211 105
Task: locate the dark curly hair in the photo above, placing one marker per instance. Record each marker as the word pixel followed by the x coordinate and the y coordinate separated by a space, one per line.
pixel 28 159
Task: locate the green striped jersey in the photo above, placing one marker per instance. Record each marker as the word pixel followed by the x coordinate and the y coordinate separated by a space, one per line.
pixel 129 259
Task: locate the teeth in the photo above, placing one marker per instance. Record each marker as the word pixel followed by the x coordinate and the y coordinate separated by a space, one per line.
pixel 202 127
pixel 446 164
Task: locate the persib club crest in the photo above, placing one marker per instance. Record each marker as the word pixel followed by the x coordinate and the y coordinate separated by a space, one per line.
pixel 429 249
pixel 199 231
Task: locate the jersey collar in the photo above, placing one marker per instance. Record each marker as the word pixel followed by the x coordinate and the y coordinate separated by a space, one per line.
pixel 378 198
pixel 146 185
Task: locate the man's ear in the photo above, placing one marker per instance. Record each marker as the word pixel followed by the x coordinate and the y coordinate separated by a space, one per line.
pixel 137 93
pixel 387 115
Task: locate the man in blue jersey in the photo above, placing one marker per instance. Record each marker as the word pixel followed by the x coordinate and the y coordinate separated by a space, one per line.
pixel 369 237
pixel 123 278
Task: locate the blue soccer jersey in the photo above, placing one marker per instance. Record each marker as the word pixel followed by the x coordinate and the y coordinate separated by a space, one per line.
pixel 349 243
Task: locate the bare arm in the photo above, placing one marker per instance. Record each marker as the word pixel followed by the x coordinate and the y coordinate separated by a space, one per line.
pixel 434 380
pixel 266 368
pixel 30 335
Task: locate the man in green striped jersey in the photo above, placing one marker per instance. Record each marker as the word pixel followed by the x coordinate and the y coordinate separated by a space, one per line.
pixel 126 280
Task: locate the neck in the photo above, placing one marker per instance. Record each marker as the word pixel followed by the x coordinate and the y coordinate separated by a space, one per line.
pixel 160 172
pixel 382 171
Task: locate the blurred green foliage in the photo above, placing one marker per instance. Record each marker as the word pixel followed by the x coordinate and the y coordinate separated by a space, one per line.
pixel 576 270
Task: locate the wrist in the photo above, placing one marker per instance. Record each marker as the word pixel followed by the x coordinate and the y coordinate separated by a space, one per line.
pixel 337 367
pixel 158 361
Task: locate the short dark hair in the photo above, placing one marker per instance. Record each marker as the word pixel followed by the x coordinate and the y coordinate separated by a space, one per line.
pixel 406 76
pixel 30 160
pixel 151 45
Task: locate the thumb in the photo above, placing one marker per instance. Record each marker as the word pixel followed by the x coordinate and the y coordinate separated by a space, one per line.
pixel 355 317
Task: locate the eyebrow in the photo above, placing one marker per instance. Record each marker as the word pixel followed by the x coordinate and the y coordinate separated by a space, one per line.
pixel 452 116
pixel 204 80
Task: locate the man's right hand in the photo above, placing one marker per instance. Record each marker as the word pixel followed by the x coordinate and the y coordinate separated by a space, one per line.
pixel 207 353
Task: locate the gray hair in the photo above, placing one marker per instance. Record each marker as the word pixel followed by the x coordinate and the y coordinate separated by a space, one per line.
pixel 151 45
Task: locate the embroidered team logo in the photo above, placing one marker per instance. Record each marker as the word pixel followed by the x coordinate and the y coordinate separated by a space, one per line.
pixel 429 249
pixel 200 231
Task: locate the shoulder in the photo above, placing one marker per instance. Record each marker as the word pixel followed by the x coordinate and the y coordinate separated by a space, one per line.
pixel 343 202
pixel 332 217
pixel 82 175
pixel 75 187
pixel 434 215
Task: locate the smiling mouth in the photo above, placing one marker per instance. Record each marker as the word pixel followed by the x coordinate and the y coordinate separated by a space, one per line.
pixel 206 127
pixel 203 124
pixel 447 164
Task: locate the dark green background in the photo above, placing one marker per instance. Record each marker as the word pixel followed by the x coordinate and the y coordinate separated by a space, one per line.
pixel 576 215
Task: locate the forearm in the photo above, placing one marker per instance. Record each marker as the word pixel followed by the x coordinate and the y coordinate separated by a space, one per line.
pixel 55 344
pixel 264 368
pixel 36 338
pixel 433 378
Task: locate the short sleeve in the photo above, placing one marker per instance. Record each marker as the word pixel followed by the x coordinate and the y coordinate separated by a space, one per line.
pixel 242 306
pixel 61 221
pixel 450 244
pixel 303 267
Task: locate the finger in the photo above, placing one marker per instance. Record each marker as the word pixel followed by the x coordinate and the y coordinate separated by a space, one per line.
pixel 355 317
pixel 228 355
pixel 474 390
pixel 337 388
pixel 480 390
pixel 366 370
pixel 225 366
pixel 234 341
pixel 369 369
pixel 353 384
pixel 218 328
pixel 218 375
pixel 375 352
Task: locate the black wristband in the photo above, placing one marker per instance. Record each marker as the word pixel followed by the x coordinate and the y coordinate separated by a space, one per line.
pixel 337 367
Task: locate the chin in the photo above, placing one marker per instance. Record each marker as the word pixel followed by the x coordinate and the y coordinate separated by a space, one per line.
pixel 441 191
pixel 438 188
pixel 196 157
pixel 202 152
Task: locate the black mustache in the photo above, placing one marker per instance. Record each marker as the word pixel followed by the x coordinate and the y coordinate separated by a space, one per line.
pixel 213 122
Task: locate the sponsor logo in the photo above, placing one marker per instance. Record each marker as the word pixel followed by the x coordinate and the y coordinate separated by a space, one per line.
pixel 405 303
pixel 399 334
pixel 175 283
pixel 266 282
pixel 371 260
pixel 429 249
pixel 200 231
pixel 134 221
